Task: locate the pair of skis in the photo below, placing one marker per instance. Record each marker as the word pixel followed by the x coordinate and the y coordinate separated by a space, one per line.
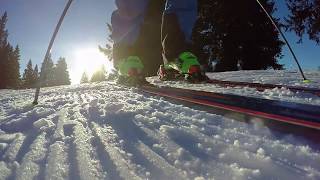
pixel 275 112
pixel 262 87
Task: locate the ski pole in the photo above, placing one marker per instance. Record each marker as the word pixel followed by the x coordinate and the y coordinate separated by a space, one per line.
pixel 35 102
pixel 286 41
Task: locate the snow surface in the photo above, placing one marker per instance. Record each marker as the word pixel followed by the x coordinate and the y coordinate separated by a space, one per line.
pixel 107 131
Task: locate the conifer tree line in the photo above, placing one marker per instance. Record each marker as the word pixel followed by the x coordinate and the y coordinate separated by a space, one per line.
pixel 10 66
pixel 55 74
pixel 9 59
pixel 98 76
pixel 30 76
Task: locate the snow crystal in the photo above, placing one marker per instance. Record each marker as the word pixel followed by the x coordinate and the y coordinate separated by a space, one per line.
pixel 56 167
pixel 261 152
pixel 43 124
pixel 236 143
pixel 241 172
pixel 8 137
pixel 5 171
pixel 200 178
pixel 166 129
pixel 181 153
pixel 3 146
pixel 94 102
pixel 14 148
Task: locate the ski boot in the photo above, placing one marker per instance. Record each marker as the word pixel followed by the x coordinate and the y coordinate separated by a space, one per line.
pixel 131 72
pixel 186 67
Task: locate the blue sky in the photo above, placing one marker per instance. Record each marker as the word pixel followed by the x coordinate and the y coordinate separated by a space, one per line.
pixel 31 23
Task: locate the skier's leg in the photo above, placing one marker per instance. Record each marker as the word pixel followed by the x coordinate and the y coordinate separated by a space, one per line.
pixel 173 39
pixel 126 24
pixel 178 21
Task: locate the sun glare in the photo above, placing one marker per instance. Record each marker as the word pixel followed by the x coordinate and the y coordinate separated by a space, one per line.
pixel 88 60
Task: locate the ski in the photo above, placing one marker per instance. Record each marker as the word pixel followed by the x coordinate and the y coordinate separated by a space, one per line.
pixel 301 115
pixel 262 87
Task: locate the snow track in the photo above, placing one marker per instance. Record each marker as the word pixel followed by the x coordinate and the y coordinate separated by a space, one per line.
pixel 106 131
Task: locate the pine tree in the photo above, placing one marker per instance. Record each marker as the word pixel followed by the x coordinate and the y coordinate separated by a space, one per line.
pixel 304 18
pixel 3 30
pixel 28 76
pixel 61 74
pixel 36 75
pixel 9 59
pixel 3 51
pixel 4 64
pixel 10 77
pixel 99 75
pixel 47 72
pixel 14 68
pixel 84 78
pixel 237 32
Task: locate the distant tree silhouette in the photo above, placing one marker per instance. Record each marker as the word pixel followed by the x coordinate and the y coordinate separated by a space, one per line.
pixel 99 75
pixel 84 78
pixel 47 72
pixel 304 18
pixel 3 50
pixel 61 74
pixel 14 68
pixel 36 74
pixel 29 79
pixel 237 33
pixel 53 75
pixel 9 59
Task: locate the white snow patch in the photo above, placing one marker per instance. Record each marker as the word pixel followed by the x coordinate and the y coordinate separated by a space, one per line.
pixel 4 170
pixel 108 131
pixel 43 124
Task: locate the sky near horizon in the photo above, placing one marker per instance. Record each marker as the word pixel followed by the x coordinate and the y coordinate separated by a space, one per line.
pixel 31 24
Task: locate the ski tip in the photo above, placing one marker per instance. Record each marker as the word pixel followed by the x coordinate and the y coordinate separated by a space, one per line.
pixel 306 81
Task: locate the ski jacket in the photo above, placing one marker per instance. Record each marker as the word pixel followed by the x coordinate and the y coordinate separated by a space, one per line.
pixel 186 12
pixel 127 19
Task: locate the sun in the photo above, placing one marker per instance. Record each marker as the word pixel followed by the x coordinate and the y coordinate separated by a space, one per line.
pixel 88 60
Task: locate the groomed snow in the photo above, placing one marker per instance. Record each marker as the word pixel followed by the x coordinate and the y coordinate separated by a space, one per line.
pixel 107 131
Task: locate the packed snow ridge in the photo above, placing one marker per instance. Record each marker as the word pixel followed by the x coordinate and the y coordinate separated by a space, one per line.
pixel 108 131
